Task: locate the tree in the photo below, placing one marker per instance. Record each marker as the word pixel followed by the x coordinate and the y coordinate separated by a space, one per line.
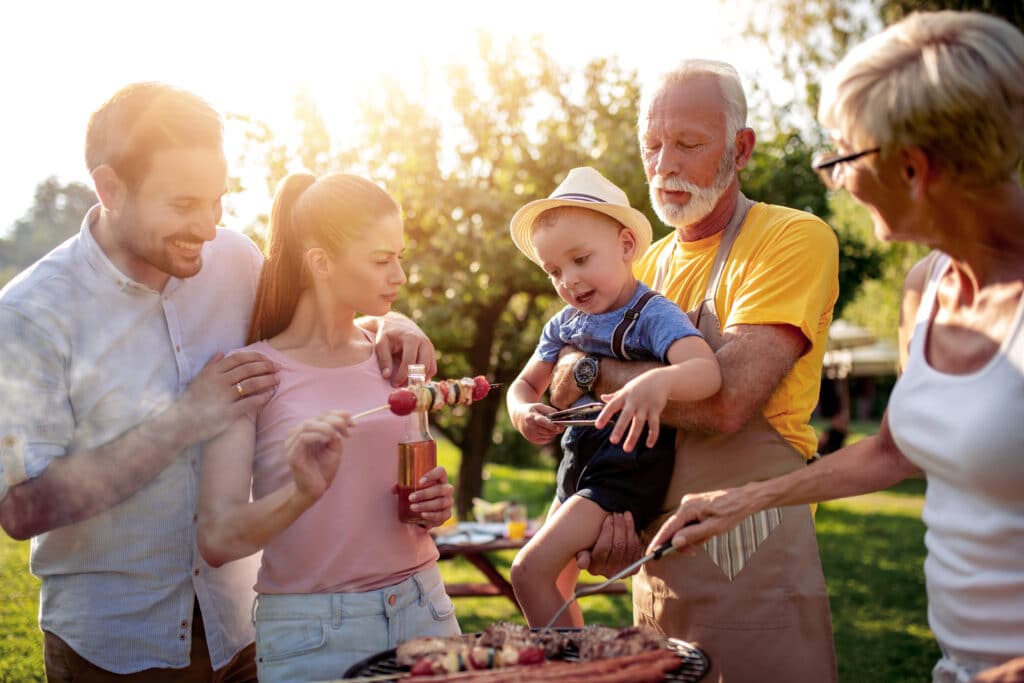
pixel 780 172
pixel 55 215
pixel 462 159
pixel 878 285
pixel 809 37
pixel 515 124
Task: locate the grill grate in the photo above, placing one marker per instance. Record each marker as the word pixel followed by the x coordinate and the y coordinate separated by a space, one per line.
pixel 693 663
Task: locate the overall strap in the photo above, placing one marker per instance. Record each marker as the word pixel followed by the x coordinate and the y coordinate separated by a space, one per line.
pixel 627 323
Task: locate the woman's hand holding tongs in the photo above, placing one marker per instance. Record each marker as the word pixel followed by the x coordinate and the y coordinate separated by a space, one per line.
pixel 637 404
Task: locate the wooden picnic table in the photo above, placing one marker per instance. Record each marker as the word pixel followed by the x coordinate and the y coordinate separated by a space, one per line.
pixel 478 555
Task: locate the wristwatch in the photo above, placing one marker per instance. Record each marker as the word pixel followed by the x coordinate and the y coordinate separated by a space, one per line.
pixel 585 371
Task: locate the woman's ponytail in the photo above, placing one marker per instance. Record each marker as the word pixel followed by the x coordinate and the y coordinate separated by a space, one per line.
pixel 281 279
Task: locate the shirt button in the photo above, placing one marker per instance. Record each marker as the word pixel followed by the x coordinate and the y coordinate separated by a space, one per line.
pixel 195 518
pixel 195 572
pixel 391 600
pixel 184 624
pixel 181 637
pixel 177 348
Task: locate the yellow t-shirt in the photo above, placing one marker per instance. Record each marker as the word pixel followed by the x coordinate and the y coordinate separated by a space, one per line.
pixel 783 269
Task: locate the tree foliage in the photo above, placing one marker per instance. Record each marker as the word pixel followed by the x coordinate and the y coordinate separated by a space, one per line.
pixel 808 38
pixel 55 215
pixel 779 172
pixel 461 158
pixel 517 124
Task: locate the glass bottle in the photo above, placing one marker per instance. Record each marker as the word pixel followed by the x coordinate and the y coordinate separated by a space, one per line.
pixel 417 452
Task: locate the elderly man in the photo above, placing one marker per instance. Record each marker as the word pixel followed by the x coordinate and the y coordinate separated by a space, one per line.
pixel 760 281
pixel 111 355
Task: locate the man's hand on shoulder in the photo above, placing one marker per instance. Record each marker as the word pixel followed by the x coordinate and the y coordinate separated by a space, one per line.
pixel 224 390
pixel 399 343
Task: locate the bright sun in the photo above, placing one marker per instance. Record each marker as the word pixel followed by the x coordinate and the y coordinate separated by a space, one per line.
pixel 253 57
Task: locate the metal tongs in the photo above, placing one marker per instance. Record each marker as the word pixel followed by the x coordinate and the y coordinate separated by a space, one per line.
pixel 584 415
pixel 659 552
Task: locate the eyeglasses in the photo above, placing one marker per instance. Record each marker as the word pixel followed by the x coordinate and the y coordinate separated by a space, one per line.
pixel 830 165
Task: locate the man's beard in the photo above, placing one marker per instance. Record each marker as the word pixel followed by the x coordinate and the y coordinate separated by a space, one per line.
pixel 702 199
pixel 155 254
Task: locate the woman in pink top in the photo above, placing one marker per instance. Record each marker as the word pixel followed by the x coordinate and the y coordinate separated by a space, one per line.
pixel 341 578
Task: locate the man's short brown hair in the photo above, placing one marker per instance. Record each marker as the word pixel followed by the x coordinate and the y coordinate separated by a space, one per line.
pixel 144 118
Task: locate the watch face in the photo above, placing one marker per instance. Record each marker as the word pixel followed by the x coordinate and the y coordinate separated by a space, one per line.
pixel 585 371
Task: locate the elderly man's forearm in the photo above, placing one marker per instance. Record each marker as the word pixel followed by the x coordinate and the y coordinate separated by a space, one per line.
pixel 706 415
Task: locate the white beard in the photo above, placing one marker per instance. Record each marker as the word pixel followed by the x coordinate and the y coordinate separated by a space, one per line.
pixel 702 199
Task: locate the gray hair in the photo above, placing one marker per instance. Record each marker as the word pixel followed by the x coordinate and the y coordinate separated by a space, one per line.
pixel 728 80
pixel 951 83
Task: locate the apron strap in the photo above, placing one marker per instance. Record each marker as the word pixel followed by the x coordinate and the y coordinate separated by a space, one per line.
pixel 627 323
pixel 732 230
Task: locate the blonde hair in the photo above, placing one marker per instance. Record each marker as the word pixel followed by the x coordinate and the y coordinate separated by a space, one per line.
pixel 951 83
pixel 728 81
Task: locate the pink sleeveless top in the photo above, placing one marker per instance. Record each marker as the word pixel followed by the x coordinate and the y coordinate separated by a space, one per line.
pixel 350 540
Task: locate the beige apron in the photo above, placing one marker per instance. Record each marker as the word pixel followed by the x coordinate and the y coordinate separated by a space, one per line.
pixel 754 598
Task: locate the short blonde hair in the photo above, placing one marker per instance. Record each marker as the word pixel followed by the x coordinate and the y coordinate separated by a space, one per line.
pixel 728 81
pixel 951 83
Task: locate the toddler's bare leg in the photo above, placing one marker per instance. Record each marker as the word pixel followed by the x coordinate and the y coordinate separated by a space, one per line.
pixel 544 572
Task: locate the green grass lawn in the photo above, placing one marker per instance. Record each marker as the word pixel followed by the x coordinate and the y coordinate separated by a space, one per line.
pixel 872 551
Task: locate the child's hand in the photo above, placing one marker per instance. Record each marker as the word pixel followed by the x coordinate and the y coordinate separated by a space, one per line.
pixel 314 452
pixel 532 422
pixel 640 402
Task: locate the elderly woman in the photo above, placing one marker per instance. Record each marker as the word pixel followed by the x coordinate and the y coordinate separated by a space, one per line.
pixel 928 123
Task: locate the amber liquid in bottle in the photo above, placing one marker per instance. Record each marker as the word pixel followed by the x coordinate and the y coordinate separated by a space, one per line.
pixel 417 454
pixel 414 460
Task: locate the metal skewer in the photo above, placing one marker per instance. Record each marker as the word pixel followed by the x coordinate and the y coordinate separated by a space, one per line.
pixel 662 550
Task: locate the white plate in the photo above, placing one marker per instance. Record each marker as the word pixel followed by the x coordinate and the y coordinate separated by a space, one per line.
pixel 470 533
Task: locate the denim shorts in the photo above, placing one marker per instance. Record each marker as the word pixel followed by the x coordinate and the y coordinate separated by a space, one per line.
pixel 317 637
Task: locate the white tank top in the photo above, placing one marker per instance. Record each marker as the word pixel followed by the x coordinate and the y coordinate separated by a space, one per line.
pixel 966 432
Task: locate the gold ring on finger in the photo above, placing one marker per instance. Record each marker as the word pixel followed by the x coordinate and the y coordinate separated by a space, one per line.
pixel 240 389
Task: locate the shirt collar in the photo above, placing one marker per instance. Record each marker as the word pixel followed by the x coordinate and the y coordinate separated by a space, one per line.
pixel 100 262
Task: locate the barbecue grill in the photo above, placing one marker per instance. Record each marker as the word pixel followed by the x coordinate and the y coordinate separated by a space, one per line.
pixel 693 663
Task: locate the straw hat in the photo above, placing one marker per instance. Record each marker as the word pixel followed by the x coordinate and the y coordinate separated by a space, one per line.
pixel 586 188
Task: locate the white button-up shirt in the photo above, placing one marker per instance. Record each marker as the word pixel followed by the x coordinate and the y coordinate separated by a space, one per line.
pixel 86 354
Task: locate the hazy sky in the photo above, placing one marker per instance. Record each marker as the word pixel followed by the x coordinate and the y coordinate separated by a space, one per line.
pixel 60 60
